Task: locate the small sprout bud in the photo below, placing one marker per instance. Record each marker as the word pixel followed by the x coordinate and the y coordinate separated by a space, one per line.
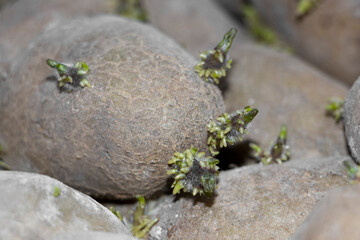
pixel 202 164
pixel 189 155
pixel 304 7
pixel 213 161
pixel 172 171
pixel 180 176
pixel 279 151
pixel 214 62
pixel 185 170
pixel 51 63
pixel 179 155
pixel 84 83
pixel 199 154
pixel 227 41
pixel 142 223
pixel 132 9
pixel 116 213
pixel 178 186
pixel 353 171
pixel 62 69
pixel 335 108
pixel 258 30
pixel 229 128
pixel 57 191
pixel 195 191
pixel 198 177
pixel 70 77
pixel 3 165
pixel 249 115
pixel 82 68
pixel 208 184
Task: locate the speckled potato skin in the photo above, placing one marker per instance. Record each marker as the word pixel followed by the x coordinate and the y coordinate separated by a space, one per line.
pixel 113 140
pixel 22 20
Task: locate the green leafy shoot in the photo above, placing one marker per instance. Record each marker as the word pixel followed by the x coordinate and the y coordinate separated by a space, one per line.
pixel 142 223
pixel 214 63
pixel 116 213
pixel 304 7
pixel 70 77
pixel 335 108
pixel 57 192
pixel 193 172
pixel 279 151
pixel 258 30
pixel 132 9
pixel 4 166
pixel 228 129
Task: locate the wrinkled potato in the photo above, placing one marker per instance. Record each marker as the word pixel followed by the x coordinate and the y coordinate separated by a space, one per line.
pixel 114 139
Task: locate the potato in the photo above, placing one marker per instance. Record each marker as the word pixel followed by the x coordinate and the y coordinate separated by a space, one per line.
pixel 112 140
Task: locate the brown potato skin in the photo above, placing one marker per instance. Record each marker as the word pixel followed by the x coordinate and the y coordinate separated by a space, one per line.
pixel 113 140
pixel 23 20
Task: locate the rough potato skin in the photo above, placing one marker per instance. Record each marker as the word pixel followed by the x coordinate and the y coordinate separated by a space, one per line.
pixel 22 20
pixel 113 140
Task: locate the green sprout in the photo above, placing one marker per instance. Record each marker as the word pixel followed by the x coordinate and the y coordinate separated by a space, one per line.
pixel 193 172
pixel 132 9
pixel 57 191
pixel 335 108
pixel 214 62
pixel 279 151
pixel 228 129
pixel 71 76
pixel 259 31
pixel 142 223
pixel 304 7
pixel 3 165
pixel 116 213
pixel 353 171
